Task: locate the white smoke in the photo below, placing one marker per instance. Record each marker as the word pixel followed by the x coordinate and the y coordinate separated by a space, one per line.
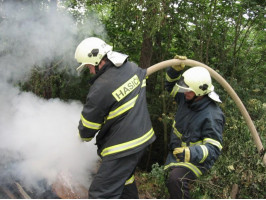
pixel 38 138
pixel 44 134
pixel 30 37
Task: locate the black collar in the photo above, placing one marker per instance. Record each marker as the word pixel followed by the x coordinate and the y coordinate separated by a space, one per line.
pixel 106 66
pixel 200 104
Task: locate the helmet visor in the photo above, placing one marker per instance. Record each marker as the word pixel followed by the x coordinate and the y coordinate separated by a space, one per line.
pixel 182 86
pixel 81 67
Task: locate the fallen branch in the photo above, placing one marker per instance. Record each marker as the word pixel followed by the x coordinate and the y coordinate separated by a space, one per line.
pixel 22 191
pixel 8 193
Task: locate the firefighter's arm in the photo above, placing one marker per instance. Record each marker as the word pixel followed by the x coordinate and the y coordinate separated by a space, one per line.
pixel 90 121
pixel 92 115
pixel 86 132
pixel 173 74
pixel 211 145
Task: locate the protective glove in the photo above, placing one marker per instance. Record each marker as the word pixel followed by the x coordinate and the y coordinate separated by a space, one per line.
pixel 182 154
pixel 182 65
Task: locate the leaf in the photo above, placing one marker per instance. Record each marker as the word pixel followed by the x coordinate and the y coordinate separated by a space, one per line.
pixel 231 168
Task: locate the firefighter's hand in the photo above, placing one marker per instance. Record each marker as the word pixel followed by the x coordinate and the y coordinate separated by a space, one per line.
pixel 182 65
pixel 182 154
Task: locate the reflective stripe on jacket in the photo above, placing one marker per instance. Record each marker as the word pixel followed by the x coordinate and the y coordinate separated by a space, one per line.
pixel 198 126
pixel 116 109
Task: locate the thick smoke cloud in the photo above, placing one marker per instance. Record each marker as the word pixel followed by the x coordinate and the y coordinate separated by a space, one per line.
pixel 38 138
pixel 41 139
pixel 31 37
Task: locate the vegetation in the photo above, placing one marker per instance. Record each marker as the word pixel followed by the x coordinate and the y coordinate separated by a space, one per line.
pixel 228 36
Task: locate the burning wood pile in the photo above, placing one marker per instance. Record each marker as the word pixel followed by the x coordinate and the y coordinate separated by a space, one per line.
pixel 64 187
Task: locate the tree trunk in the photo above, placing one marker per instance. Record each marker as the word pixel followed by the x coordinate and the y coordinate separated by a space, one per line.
pixel 146 51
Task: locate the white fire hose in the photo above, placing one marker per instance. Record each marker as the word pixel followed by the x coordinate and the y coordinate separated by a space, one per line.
pixel 225 85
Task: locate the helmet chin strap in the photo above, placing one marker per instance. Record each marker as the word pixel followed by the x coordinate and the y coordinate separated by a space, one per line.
pixel 97 69
pixel 99 72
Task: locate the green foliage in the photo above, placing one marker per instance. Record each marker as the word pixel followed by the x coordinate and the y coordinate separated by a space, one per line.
pixel 228 36
pixel 152 185
pixel 52 83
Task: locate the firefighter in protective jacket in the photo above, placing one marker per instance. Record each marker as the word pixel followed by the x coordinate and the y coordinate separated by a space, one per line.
pixel 196 136
pixel 115 110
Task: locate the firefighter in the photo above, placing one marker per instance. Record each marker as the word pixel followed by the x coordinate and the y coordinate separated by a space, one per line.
pixel 196 135
pixel 115 109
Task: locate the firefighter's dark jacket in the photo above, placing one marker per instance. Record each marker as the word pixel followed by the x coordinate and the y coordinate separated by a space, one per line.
pixel 198 126
pixel 116 109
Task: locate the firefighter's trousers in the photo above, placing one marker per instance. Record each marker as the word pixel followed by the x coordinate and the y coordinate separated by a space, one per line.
pixel 178 182
pixel 112 180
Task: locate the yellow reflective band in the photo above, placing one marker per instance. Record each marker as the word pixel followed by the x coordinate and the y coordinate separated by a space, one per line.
pixel 205 153
pixel 213 142
pixel 122 109
pixel 171 79
pixel 191 144
pixel 86 139
pixel 128 145
pixel 187 154
pixel 130 180
pixel 143 83
pixel 89 124
pixel 195 143
pixel 174 90
pixel 183 144
pixel 126 88
pixel 176 132
pixel 192 167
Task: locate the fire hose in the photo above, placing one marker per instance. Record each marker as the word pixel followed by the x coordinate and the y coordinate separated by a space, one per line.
pixel 226 86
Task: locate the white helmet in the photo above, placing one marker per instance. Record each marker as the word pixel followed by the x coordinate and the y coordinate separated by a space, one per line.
pixel 198 80
pixel 91 51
